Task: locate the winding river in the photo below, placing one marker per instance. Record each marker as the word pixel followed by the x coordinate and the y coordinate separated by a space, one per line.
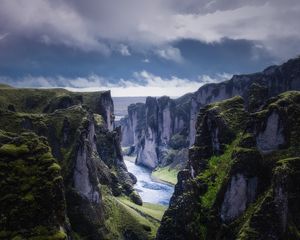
pixel 149 190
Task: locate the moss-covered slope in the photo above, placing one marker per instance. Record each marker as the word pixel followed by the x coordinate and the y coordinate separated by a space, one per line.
pixel 32 203
pixel 79 131
pixel 242 174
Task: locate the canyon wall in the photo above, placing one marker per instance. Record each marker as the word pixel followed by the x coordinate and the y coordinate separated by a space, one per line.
pixel 160 128
pixel 241 178
pixel 61 158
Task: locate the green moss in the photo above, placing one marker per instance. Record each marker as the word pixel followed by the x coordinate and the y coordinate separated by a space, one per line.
pixel 13 150
pixel 29 195
pixel 243 224
pixel 60 235
pixel 45 235
pixel 18 237
pixel 54 167
pixel 31 100
pixel 216 173
pixel 48 100
pixel 99 120
pixel 232 112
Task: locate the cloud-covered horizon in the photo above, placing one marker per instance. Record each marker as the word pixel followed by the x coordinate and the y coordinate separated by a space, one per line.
pixel 141 84
pixel 169 39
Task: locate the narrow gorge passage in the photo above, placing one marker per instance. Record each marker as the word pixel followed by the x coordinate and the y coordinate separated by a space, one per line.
pixel 149 190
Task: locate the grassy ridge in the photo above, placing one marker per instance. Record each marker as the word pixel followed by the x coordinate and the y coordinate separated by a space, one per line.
pixel 123 216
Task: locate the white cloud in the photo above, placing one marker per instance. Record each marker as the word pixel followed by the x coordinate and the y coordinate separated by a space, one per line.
pixel 146 60
pixel 206 79
pixel 56 20
pixel 124 50
pixel 153 23
pixel 170 53
pixel 142 84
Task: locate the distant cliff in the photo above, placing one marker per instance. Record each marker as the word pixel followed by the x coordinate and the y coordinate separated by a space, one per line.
pixel 162 127
pixel 241 181
pixel 62 168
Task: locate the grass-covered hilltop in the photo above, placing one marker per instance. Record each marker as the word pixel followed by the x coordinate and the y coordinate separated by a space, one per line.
pixel 62 174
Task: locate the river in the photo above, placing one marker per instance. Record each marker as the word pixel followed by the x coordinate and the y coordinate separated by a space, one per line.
pixel 149 190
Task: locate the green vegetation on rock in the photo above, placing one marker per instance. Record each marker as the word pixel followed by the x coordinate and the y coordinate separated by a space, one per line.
pixel 125 219
pixel 214 176
pixel 241 180
pixel 43 135
pixel 32 203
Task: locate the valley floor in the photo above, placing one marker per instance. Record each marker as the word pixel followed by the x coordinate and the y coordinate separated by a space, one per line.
pixel 165 175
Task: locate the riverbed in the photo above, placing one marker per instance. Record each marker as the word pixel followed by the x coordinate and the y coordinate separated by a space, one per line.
pixel 149 190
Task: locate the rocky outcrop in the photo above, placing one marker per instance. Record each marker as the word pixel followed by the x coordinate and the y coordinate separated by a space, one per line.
pixel 85 167
pixel 106 107
pixel 153 125
pixel 232 188
pixel 127 132
pixel 239 194
pixel 272 137
pixel 179 116
pixel 87 171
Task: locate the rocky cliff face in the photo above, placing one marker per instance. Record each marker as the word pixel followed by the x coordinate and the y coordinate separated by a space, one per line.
pixel 154 127
pixel 240 179
pixel 69 142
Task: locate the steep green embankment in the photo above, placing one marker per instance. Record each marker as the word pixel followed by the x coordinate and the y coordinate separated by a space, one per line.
pixel 61 158
pixel 242 177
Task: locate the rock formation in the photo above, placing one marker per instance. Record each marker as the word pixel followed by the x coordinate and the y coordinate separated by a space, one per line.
pixel 60 157
pixel 241 178
pixel 153 127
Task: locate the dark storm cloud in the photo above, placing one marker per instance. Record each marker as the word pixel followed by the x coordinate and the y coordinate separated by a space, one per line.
pixel 88 25
pixel 100 42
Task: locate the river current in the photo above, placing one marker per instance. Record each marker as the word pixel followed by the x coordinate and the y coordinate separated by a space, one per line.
pixel 149 190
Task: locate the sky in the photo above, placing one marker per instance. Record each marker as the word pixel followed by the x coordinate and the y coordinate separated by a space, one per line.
pixel 142 47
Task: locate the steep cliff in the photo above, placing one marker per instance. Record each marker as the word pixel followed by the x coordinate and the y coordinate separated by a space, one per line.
pixel 156 130
pixel 88 168
pixel 161 127
pixel 242 173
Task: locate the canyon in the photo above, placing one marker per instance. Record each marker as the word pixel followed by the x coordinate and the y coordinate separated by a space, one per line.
pixel 161 128
pixel 62 171
pixel 65 162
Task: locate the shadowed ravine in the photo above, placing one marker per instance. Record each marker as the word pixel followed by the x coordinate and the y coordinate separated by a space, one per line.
pixel 150 191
